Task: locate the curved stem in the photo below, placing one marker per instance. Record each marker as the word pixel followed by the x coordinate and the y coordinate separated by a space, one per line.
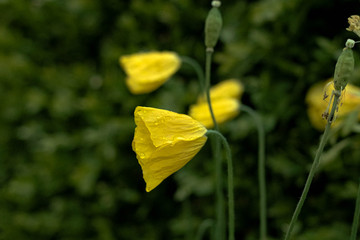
pixel 207 86
pixel 314 166
pixel 231 205
pixel 261 169
pixel 355 223
pixel 219 227
pixel 197 68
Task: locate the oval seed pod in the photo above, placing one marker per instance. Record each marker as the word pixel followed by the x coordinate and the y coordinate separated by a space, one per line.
pixel 213 25
pixel 343 69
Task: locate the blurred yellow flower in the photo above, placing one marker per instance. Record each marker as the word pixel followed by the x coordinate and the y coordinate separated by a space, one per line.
pixel 350 101
pixel 224 109
pixel 230 88
pixel 148 71
pixel 164 142
pixel 224 101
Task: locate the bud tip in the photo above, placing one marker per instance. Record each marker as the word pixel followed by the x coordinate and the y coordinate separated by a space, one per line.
pixel 350 43
pixel 216 3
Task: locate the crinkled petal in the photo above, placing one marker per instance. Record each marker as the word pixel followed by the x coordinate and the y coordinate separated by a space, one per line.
pixel 166 127
pixel 142 143
pixel 168 159
pixel 224 109
pixel 164 142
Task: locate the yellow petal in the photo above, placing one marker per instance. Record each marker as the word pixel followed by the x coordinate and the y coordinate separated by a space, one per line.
pixel 148 71
pixel 168 159
pixel 224 109
pixel 164 142
pixel 230 88
pixel 350 100
pixel 137 86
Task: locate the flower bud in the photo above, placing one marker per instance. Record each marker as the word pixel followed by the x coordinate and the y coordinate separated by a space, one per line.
pixel 213 26
pixel 344 67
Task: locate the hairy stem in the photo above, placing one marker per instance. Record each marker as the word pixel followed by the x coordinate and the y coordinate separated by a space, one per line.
pixel 314 166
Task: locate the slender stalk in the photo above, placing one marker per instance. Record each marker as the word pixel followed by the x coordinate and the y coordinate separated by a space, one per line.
pixel 207 85
pixel 261 169
pixel 197 68
pixel 355 224
pixel 219 205
pixel 220 214
pixel 314 166
pixel 231 205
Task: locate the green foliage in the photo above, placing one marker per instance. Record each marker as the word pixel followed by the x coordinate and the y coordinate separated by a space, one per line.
pixel 67 170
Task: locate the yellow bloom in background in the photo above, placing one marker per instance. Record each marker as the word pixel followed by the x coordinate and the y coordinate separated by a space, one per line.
pixel 230 88
pixel 164 142
pixel 350 101
pixel 148 71
pixel 224 109
pixel 224 101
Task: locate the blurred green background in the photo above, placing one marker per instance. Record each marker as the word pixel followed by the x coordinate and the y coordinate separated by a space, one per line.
pixel 67 170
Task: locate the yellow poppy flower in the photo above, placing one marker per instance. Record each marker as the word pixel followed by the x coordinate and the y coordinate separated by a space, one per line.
pixel 350 101
pixel 230 88
pixel 164 142
pixel 224 101
pixel 224 109
pixel 148 71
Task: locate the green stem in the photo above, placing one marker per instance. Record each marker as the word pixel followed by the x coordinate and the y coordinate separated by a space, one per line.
pixel 207 85
pixel 231 205
pixel 261 169
pixel 355 224
pixel 197 68
pixel 314 166
pixel 220 215
pixel 220 212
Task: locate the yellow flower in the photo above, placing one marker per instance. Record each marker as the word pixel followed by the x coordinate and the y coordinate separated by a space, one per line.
pixel 350 101
pixel 164 142
pixel 148 71
pixel 230 88
pixel 224 109
pixel 224 101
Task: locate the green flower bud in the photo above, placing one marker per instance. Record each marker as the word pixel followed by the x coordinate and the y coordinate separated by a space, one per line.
pixel 344 67
pixel 213 26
